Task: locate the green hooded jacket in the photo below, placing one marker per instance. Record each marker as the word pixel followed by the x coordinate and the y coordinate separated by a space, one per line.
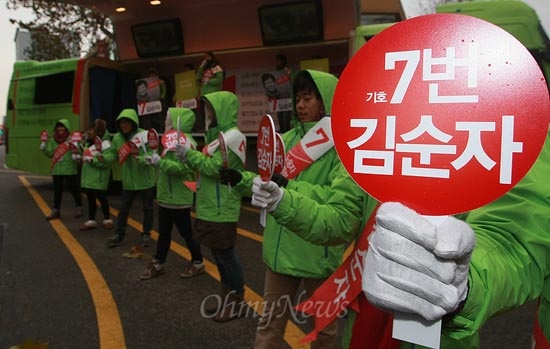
pixel 171 190
pixel 96 174
pixel 312 245
pixel 215 202
pixel 136 174
pixel 66 166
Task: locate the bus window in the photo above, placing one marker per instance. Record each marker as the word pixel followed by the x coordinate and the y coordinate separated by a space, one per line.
pixel 55 88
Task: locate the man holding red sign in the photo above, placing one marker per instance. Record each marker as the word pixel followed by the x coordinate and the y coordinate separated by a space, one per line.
pixel 64 168
pixel 138 179
pixel 313 215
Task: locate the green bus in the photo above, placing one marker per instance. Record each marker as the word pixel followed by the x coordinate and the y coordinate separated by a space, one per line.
pixel 80 90
pixel 514 16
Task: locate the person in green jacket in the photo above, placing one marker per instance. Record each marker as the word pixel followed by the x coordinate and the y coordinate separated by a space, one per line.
pixel 95 176
pixel 312 217
pixel 217 206
pixel 64 170
pixel 210 75
pixel 174 198
pixel 138 178
pixel 495 260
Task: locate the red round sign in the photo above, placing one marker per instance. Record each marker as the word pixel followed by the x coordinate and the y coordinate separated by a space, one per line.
pixel 266 148
pixel 43 135
pixel 279 154
pixel 153 138
pixel 443 113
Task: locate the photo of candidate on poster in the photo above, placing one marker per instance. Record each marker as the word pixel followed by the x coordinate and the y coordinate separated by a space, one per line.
pixel 277 89
pixel 148 95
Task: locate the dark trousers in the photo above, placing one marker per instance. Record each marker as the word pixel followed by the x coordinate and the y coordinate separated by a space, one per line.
pixel 72 185
pixel 100 195
pixel 230 269
pixel 181 218
pixel 126 199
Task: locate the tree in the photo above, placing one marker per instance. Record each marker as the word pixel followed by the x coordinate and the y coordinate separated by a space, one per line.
pixel 62 30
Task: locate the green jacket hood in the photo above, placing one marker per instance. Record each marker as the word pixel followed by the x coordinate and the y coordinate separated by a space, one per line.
pixel 186 116
pixel 226 107
pixel 64 122
pixel 128 114
pixel 326 84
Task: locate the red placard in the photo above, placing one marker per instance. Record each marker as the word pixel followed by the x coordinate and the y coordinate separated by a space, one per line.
pixel 43 135
pixel 170 139
pixel 124 151
pixel 76 136
pixel 98 143
pixel 443 121
pixel 134 150
pixel 279 154
pixel 266 148
pixel 223 149
pixel 153 139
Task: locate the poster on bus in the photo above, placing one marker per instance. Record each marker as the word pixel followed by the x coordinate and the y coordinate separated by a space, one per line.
pixel 148 95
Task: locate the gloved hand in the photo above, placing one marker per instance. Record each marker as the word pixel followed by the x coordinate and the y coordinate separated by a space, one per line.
pixel 152 159
pixel 281 180
pixel 230 176
pixel 87 159
pixel 266 195
pixel 414 266
pixel 42 145
pixel 76 157
pixel 181 151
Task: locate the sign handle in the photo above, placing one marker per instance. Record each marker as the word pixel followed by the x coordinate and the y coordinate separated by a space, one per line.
pixel 413 328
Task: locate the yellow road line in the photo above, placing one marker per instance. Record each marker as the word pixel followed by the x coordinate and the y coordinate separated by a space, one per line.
pixel 109 325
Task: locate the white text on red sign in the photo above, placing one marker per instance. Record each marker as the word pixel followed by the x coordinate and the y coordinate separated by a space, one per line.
pixel 441 145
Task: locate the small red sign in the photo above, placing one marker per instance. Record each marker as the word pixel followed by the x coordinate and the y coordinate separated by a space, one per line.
pixel 76 136
pixel 279 154
pixel 124 151
pixel 266 148
pixel 153 139
pixel 134 150
pixel 443 121
pixel 43 135
pixel 170 139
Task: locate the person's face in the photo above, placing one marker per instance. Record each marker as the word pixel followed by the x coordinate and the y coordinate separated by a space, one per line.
pixel 60 130
pixel 269 85
pixel 308 107
pixel 91 133
pixel 125 126
pixel 142 90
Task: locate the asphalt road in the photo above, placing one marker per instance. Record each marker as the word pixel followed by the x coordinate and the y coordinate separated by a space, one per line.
pixel 63 287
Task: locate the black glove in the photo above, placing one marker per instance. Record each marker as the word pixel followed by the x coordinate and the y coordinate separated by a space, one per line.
pixel 230 176
pixel 281 180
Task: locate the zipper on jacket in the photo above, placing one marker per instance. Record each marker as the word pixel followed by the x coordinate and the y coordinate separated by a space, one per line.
pixel 326 251
pixel 277 248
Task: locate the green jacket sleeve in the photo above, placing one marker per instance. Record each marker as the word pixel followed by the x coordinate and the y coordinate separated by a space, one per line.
pixel 334 221
pixel 206 165
pixel 511 259
pixel 174 167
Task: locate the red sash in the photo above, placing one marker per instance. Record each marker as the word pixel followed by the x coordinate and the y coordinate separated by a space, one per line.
pixel 61 149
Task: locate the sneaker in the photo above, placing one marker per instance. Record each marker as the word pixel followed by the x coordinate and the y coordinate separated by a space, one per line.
pixel 153 270
pixel 88 225
pixel 115 240
pixel 107 224
pixel 78 212
pixel 145 239
pixel 53 215
pixel 193 270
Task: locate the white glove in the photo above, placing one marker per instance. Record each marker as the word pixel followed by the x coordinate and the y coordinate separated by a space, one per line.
pixel 153 159
pixel 76 157
pixel 266 195
pixel 414 266
pixel 42 145
pixel 181 151
pixel 87 159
